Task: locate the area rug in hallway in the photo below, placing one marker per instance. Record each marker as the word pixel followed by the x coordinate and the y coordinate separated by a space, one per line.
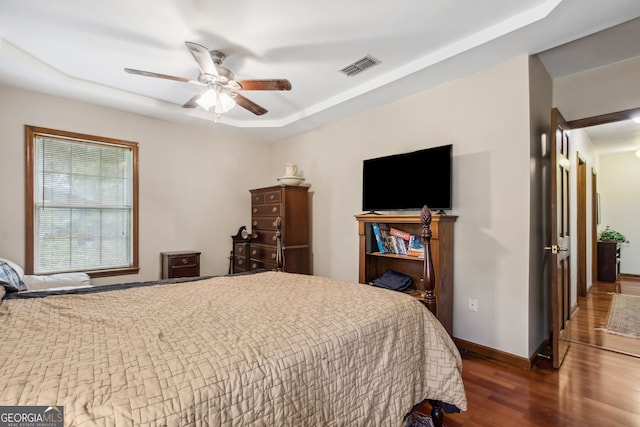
pixel 624 316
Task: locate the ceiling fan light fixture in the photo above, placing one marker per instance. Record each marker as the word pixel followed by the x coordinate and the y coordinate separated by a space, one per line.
pixel 207 99
pixel 224 102
pixel 215 97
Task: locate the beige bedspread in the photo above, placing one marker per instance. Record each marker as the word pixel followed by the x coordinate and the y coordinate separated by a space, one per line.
pixel 270 349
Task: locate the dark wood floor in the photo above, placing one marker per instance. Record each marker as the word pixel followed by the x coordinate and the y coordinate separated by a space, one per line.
pixel 594 387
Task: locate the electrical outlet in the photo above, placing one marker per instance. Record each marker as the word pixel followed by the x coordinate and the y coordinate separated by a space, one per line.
pixel 473 304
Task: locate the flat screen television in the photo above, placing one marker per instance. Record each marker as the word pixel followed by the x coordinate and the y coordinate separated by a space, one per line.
pixel 408 181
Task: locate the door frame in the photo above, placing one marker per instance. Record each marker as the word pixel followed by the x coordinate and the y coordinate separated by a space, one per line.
pixel 578 124
pixel 581 229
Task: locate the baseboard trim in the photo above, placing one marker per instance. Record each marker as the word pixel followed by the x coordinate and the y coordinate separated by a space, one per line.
pixel 492 353
pixel 629 276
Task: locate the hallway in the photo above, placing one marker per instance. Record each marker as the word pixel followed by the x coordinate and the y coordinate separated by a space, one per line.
pixel 593 313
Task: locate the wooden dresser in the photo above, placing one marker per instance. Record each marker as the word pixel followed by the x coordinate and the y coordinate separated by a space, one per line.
pixel 290 203
pixel 608 261
pixel 180 264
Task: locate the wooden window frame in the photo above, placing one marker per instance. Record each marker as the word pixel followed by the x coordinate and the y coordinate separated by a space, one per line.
pixel 30 133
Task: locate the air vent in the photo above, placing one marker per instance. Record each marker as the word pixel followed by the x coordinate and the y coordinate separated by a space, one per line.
pixel 360 65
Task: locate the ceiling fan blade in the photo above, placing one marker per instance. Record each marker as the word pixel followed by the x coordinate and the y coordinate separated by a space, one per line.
pixel 158 75
pixel 266 84
pixel 203 58
pixel 193 102
pixel 249 105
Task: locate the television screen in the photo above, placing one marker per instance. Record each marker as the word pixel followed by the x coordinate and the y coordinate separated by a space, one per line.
pixel 408 180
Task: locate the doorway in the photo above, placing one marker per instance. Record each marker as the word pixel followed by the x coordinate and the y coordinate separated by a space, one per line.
pixel 594 303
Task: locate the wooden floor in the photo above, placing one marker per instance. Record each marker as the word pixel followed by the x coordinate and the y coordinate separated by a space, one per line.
pixel 593 312
pixel 594 387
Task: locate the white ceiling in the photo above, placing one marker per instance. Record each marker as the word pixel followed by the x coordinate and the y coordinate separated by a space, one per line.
pixel 78 49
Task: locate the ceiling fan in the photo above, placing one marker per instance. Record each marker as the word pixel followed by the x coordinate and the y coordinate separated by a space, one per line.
pixel 221 90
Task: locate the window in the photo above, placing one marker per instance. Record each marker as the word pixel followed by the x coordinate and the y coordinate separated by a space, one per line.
pixel 82 203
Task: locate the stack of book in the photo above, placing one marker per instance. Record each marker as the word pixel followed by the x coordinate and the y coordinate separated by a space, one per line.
pixel 390 240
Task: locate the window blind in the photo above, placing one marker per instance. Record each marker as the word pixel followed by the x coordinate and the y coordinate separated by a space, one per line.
pixel 83 205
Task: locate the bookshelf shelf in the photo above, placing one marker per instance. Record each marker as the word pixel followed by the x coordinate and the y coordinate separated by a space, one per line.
pixel 407 257
pixel 372 264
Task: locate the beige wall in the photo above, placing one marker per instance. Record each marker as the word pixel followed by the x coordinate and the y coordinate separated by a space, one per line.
pixel 619 188
pixel 486 118
pixel 599 91
pixel 193 181
pixel 540 101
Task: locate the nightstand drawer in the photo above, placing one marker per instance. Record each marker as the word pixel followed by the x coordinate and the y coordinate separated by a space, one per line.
pixel 183 261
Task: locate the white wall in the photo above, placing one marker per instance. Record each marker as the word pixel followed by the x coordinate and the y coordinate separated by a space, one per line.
pixel 579 143
pixel 485 116
pixel 194 182
pixel 619 188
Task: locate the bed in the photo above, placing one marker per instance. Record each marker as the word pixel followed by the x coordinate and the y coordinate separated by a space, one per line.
pixel 266 349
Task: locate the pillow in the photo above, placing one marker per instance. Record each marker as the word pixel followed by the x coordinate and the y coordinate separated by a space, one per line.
pixel 9 278
pixel 15 266
pixel 36 282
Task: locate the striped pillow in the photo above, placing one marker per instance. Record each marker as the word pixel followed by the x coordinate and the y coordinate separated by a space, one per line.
pixel 9 278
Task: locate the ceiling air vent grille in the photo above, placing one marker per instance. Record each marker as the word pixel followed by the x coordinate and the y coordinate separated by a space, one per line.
pixel 360 65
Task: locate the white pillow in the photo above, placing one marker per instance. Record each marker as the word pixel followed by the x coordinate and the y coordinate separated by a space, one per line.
pixel 34 282
pixel 19 271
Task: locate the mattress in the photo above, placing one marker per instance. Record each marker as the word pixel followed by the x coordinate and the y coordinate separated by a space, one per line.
pixel 265 349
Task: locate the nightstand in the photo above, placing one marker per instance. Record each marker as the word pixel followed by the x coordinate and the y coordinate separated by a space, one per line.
pixel 180 264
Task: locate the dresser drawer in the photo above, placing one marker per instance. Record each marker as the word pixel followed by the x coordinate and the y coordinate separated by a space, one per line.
pixel 268 197
pixel 266 237
pixel 240 263
pixel 263 223
pixel 260 264
pixel 268 209
pixel 265 253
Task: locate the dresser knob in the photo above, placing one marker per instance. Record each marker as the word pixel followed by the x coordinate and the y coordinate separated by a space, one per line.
pixel 255 210
pixel 272 197
pixel 274 238
pixel 274 209
pixel 257 198
pixel 185 260
pixel 254 235
pixel 255 223
pixel 254 252
pixel 274 223
pixel 273 256
pixel 254 265
pixel 240 261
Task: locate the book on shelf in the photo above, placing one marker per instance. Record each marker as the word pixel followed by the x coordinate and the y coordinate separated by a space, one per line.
pixel 378 236
pixel 387 242
pixel 415 247
pixel 399 233
pixel 402 245
pixel 415 253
